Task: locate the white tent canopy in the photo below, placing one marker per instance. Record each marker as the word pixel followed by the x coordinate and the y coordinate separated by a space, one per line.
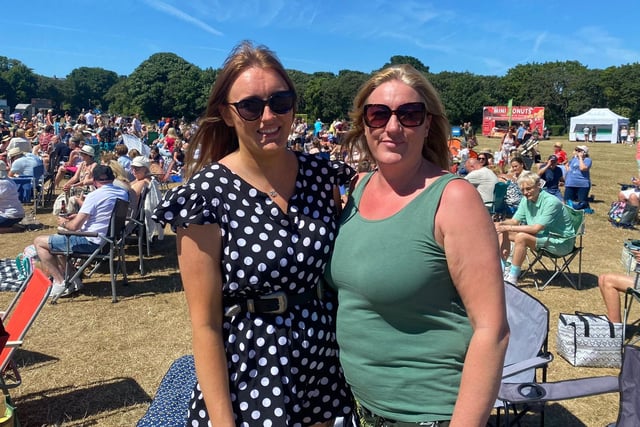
pixel 607 123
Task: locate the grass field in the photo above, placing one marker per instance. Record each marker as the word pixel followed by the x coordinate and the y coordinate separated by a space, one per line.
pixel 89 362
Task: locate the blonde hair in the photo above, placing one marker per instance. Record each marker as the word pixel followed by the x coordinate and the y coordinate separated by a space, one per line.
pixel 435 147
pixel 118 171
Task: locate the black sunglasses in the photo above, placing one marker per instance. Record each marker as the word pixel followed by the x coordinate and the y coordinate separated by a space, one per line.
pixel 252 108
pixel 409 115
pixel 482 158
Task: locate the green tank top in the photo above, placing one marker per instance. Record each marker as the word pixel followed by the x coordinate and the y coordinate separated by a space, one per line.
pixel 401 326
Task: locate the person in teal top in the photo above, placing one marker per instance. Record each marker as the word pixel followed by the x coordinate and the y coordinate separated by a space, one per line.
pixel 541 221
pixel 422 335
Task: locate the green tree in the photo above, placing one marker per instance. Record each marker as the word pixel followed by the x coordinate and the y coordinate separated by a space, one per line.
pixel 166 84
pixel 415 62
pixel 88 87
pixel 557 86
pixel 22 81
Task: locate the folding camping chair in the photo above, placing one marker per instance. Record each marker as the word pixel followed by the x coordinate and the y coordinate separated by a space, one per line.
pixel 527 354
pixel 524 387
pixel 629 409
pixel 111 249
pixel 135 228
pixel 561 264
pixel 498 208
pixel 17 319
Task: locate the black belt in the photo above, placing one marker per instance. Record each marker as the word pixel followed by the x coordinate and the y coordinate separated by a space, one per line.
pixel 379 421
pixel 273 303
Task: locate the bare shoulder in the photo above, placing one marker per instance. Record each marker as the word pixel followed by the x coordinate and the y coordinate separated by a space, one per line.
pixel 460 199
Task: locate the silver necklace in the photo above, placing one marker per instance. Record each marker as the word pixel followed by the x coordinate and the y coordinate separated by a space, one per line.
pixel 272 193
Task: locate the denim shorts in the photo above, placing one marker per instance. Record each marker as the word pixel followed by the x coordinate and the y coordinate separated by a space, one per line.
pixel 58 243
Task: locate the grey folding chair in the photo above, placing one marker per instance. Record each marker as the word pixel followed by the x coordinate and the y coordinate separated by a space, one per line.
pixel 111 249
pixel 520 391
pixel 527 354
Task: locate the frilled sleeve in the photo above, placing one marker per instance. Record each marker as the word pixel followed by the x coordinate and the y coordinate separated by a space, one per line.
pixel 190 203
pixel 343 172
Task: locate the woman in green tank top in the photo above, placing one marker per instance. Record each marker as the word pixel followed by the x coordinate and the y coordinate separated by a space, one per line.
pixel 422 334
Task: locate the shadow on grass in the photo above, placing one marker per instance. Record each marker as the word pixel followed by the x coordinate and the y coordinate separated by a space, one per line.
pixel 555 415
pixel 589 280
pixel 76 403
pixel 161 274
pixel 26 358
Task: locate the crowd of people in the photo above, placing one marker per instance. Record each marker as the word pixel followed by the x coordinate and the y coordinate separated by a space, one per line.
pixel 274 208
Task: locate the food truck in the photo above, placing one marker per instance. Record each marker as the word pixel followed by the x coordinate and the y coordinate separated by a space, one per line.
pixel 496 119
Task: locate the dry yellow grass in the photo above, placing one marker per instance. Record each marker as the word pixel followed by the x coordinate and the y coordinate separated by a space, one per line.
pixel 87 361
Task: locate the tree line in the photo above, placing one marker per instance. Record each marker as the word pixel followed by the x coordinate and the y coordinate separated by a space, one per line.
pixel 167 85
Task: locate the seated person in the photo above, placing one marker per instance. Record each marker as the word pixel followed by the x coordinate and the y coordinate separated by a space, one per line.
pixel 83 176
pixel 156 163
pixel 611 285
pixel 540 221
pixel 552 176
pixel 20 141
pixel 71 156
pixel 22 164
pixel 631 194
pixel 94 216
pixel 483 178
pixel 513 196
pixel 123 158
pixel 11 210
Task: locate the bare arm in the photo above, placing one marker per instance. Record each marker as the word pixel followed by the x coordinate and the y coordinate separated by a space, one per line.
pixel 199 254
pixel 75 178
pixel 73 222
pixel 512 225
pixel 482 295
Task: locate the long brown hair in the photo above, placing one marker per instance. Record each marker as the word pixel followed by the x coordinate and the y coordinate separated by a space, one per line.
pixel 213 137
pixel 435 147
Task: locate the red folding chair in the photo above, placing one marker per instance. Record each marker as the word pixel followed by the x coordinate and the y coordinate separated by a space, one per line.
pixel 17 320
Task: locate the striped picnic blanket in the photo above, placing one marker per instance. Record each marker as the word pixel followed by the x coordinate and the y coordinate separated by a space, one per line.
pixel 11 275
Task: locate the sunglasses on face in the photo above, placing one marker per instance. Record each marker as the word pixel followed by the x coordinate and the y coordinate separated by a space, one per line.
pixel 409 115
pixel 252 108
pixel 482 158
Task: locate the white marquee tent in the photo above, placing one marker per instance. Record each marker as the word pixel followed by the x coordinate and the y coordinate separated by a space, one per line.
pixel 607 123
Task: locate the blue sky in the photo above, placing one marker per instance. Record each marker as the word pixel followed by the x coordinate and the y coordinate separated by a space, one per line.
pixel 482 37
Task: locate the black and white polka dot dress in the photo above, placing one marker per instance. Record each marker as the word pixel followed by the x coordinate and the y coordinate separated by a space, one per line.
pixel 283 368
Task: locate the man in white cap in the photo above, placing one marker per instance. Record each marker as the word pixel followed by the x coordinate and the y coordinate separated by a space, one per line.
pixel 22 164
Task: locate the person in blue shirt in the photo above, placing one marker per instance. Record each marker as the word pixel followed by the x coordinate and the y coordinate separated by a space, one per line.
pixel 578 180
pixel 22 164
pixel 552 176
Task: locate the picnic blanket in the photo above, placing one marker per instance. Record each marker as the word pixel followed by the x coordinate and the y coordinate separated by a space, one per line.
pixel 12 276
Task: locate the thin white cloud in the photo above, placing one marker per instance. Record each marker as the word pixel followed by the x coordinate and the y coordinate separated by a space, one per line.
pixel 179 14
pixel 49 27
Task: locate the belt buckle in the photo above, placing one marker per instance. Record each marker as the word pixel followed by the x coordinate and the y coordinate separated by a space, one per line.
pixel 279 296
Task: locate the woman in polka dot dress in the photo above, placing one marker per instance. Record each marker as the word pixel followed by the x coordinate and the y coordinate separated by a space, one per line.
pixel 255 227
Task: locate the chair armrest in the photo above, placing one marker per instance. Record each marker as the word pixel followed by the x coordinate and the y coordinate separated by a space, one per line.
pixel 13 343
pixel 524 365
pixel 561 390
pixel 64 232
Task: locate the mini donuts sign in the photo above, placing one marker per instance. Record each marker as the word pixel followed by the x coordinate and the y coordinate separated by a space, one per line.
pixel 496 119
